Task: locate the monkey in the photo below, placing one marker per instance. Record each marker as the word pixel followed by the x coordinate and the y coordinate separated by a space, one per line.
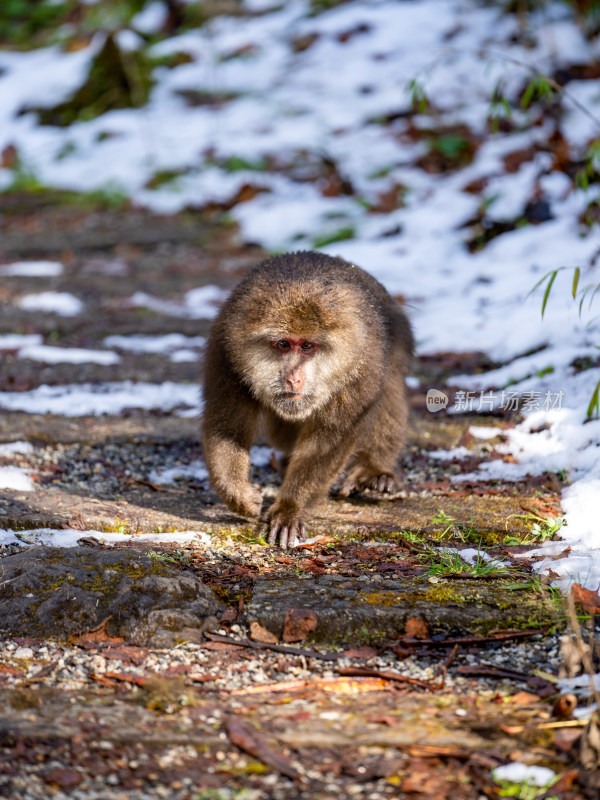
pixel 313 351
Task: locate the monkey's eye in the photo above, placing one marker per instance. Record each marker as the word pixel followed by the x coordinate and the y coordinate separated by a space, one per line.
pixel 282 344
pixel 306 346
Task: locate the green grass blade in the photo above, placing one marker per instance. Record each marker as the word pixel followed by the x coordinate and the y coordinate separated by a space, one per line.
pixel 576 277
pixel 548 288
pixel 594 406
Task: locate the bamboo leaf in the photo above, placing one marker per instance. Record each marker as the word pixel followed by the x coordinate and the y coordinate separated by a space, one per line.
pixel 547 292
pixel 576 281
pixel 594 406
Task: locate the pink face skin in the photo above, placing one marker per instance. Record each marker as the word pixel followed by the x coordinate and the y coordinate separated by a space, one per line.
pixel 294 374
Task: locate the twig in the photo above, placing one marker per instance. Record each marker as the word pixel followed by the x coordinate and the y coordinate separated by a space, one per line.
pixel 278 648
pixel 250 741
pixel 502 636
pixel 386 675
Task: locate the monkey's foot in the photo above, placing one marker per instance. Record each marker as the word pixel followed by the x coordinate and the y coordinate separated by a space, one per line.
pixel 359 480
pixel 247 504
pixel 290 530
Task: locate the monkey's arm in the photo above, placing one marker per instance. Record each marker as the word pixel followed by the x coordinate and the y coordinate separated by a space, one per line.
pixel 229 423
pixel 313 467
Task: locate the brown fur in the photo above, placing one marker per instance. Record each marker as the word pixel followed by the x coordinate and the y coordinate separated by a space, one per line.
pixel 353 410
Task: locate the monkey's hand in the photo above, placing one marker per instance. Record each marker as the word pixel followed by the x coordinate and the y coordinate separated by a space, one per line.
pixel 286 525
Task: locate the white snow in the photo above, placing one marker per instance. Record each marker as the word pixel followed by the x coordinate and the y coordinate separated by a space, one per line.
pixel 517 772
pixel 76 400
pixel 70 355
pixel 61 303
pixel 168 343
pixel 69 538
pixel 15 341
pixel 15 478
pixel 32 269
pixel 196 471
pixel 201 303
pixel 12 448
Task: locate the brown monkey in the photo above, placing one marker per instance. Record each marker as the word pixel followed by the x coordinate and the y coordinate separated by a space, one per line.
pixel 315 351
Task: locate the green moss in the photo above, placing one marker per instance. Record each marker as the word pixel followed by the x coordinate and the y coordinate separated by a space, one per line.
pixel 442 593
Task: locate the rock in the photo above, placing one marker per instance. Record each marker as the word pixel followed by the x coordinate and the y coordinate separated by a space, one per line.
pixel 61 592
pixel 349 611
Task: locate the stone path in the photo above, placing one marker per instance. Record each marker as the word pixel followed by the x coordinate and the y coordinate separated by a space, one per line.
pixel 367 585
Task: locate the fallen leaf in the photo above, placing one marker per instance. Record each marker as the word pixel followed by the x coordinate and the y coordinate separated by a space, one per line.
pixel 6 669
pixel 96 636
pixel 260 634
pixel 385 719
pixel 127 653
pixel 298 624
pixel 563 784
pixel 250 741
pixel 331 685
pixel 126 677
pixel 565 738
pixel 316 541
pixel 512 730
pixel 586 598
pixel 228 616
pixel 524 698
pixel 416 628
pixel 63 778
pixel 361 652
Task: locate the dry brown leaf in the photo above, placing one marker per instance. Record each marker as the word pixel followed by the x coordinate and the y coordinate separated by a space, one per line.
pixel 416 628
pixel 260 634
pixel 97 636
pixel 586 598
pixel 524 698
pixel 361 652
pixel 298 624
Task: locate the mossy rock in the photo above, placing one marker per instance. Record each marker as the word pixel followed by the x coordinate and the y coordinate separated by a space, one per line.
pixel 63 592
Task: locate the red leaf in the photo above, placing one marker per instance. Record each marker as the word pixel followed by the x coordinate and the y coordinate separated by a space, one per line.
pixel 298 624
pixel 586 598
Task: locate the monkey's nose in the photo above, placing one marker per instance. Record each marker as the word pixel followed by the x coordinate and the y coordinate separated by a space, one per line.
pixel 294 382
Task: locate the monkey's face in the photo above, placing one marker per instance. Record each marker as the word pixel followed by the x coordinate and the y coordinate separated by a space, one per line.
pixel 291 375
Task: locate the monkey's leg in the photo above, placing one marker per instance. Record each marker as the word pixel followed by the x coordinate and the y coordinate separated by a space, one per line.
pixel 311 471
pixel 375 462
pixel 227 440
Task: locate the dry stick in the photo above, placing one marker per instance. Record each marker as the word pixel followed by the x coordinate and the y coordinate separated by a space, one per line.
pixel 248 739
pixel 278 648
pixel 386 675
pixel 498 637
